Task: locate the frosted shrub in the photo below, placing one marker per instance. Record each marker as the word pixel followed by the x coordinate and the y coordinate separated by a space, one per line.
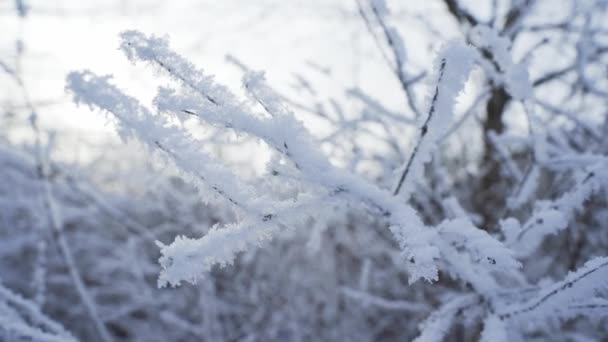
pixel 497 289
pixel 484 216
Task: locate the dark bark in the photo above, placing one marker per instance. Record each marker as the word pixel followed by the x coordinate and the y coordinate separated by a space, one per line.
pixel 488 202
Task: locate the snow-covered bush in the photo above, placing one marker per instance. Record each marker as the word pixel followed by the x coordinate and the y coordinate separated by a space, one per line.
pixel 485 223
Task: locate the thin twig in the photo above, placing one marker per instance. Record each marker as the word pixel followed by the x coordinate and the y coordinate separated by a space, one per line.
pixel 423 131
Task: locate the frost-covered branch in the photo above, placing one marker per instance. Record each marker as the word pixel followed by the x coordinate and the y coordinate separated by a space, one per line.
pixel 555 300
pixel 282 132
pixel 454 64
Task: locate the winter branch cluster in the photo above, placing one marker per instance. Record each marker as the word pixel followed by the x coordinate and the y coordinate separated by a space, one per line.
pixel 363 234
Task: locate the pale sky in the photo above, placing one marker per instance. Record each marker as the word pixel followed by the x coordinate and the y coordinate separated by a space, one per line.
pixel 284 38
